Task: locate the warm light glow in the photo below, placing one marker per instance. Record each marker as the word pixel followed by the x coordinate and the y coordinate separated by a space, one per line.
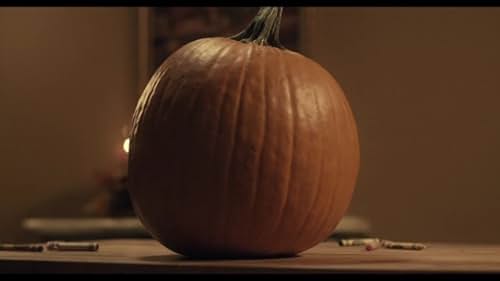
pixel 126 144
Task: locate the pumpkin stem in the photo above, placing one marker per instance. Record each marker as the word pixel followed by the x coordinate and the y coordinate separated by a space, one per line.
pixel 264 28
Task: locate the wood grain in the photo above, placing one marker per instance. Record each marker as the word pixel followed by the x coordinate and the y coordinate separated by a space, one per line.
pixel 148 256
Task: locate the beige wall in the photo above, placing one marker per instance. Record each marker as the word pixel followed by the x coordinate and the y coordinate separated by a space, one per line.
pixel 424 84
pixel 67 81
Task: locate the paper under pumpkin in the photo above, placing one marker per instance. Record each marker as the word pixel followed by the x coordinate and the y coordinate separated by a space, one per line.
pixel 242 148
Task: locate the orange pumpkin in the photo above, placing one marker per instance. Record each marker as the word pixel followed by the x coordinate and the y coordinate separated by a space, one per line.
pixel 242 148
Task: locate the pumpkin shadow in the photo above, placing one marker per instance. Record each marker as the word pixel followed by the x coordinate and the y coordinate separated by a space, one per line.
pixel 181 258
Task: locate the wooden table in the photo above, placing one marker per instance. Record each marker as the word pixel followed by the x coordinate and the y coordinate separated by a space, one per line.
pixel 148 256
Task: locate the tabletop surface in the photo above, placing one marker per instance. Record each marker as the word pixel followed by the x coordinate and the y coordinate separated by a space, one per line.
pixel 148 256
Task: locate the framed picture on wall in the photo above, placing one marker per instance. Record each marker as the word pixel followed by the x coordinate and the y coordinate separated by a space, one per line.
pixel 162 30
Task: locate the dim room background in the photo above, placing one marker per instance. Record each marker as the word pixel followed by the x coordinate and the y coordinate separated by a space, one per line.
pixel 424 84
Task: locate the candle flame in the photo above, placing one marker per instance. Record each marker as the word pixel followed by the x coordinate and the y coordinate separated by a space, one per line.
pixel 126 145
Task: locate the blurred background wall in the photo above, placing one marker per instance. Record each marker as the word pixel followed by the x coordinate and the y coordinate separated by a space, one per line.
pixel 67 86
pixel 424 84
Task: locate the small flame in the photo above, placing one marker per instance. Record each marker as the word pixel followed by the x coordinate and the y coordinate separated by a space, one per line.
pixel 126 145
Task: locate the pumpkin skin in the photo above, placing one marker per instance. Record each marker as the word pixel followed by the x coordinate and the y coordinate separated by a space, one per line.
pixel 241 150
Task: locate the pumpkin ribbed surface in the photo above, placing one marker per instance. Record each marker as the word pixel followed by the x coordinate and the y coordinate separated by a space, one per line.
pixel 241 150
